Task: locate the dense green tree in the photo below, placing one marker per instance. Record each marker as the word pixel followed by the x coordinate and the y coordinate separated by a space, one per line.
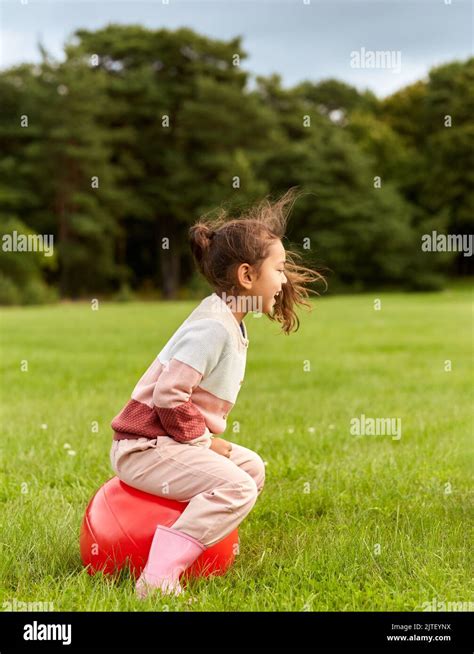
pixel 435 118
pixel 337 99
pixel 196 129
pixel 364 232
pixel 63 162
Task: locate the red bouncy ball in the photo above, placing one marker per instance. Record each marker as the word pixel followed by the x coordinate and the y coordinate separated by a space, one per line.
pixel 118 528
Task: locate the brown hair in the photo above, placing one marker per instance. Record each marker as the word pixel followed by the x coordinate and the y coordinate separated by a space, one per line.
pixel 221 244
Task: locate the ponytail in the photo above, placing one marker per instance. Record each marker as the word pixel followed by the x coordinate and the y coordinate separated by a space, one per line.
pixel 200 237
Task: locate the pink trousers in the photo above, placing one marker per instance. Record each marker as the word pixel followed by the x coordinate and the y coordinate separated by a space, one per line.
pixel 221 491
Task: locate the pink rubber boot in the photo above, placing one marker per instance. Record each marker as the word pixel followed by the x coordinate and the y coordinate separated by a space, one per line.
pixel 171 553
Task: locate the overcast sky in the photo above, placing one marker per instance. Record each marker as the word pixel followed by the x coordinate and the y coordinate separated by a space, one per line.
pixel 295 39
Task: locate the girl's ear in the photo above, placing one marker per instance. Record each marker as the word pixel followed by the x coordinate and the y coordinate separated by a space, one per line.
pixel 245 275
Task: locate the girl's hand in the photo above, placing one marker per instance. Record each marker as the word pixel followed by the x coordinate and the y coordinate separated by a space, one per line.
pixel 221 446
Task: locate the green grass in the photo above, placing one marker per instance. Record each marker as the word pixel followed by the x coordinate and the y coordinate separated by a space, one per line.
pixel 332 500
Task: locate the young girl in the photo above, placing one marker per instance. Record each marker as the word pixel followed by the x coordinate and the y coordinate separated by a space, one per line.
pixel 164 441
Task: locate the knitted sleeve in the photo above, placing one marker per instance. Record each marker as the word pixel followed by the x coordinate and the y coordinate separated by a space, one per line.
pixel 197 351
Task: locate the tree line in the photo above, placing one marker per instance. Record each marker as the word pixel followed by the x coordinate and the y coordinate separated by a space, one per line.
pixel 137 133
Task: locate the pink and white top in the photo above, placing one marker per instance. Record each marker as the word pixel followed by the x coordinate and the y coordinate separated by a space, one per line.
pixel 191 386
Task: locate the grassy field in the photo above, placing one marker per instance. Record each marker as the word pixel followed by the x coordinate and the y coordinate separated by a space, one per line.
pixel 344 523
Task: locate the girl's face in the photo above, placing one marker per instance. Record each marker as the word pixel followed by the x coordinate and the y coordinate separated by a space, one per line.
pixel 271 278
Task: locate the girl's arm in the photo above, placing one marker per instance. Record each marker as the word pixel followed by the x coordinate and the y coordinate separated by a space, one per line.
pixel 196 353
